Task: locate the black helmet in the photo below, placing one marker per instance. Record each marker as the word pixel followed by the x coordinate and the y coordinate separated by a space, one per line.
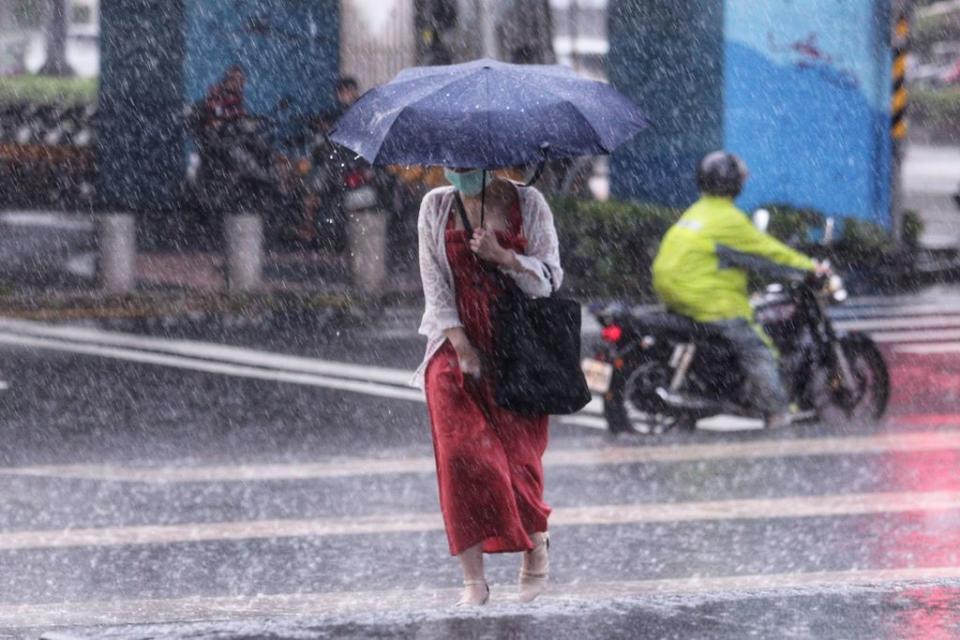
pixel 721 174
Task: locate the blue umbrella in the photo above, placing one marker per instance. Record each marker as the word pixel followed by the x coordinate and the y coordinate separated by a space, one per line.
pixel 487 114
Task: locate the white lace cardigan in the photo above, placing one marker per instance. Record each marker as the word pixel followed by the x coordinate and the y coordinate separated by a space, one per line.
pixel 440 302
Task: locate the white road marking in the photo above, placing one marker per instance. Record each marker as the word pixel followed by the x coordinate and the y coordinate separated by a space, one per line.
pixel 251 363
pixel 207 366
pixel 927 441
pixel 580 420
pixel 212 351
pixel 891 301
pixel 578 596
pixel 715 510
pixel 730 423
pixel 848 313
pixel 923 322
pixel 201 355
pixel 929 348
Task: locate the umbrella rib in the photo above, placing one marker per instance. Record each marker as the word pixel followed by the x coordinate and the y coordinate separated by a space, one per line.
pixel 486 86
pixel 410 104
pixel 568 103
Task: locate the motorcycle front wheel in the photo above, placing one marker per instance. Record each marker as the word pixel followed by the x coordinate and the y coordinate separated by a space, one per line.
pixel 864 401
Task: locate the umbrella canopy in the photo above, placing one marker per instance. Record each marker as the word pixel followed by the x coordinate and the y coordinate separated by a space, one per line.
pixel 487 114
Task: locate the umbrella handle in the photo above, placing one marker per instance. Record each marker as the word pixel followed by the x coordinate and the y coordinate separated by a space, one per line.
pixel 540 167
pixel 483 196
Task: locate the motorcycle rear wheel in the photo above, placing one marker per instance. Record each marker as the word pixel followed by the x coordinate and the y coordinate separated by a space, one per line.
pixel 630 408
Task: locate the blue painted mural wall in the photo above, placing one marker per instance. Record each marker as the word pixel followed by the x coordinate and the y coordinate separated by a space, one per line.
pixel 799 88
pixel 806 103
pixel 290 48
pixel 157 56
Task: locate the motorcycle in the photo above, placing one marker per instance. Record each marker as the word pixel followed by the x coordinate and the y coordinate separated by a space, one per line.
pixel 234 168
pixel 341 185
pixel 666 371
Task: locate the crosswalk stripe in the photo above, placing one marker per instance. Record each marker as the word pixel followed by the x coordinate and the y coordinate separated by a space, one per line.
pixel 718 510
pixel 922 322
pixel 844 312
pixel 577 597
pixel 925 441
pixel 929 348
pixel 929 335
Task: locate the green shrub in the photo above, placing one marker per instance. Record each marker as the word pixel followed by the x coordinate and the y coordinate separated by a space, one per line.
pixel 609 247
pixel 936 109
pixel 795 226
pixel 48 90
pixel 912 229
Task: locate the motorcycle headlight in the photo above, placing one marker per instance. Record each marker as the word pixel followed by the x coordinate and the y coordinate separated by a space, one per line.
pixel 836 289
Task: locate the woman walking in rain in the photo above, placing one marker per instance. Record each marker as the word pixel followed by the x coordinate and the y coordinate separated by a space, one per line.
pixel 489 467
pixel 479 114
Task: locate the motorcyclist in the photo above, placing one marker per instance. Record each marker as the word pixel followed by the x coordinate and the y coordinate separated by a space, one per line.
pixel 701 272
pixel 236 157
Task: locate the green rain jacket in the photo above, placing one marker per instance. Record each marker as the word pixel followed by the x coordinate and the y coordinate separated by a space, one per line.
pixel 702 266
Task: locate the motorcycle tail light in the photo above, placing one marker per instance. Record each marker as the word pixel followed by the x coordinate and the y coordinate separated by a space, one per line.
pixel 612 333
pixel 354 179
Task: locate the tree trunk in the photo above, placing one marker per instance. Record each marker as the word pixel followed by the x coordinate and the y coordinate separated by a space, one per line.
pixel 6 17
pixel 56 64
pixel 526 32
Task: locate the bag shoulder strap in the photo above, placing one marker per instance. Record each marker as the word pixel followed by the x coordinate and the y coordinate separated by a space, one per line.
pixel 458 203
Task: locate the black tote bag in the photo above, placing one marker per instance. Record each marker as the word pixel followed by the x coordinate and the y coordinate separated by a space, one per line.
pixel 536 352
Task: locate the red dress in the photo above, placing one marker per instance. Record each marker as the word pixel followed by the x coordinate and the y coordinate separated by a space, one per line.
pixel 489 464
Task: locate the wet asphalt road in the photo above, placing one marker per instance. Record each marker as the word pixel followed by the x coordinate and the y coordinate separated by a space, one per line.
pixel 168 489
pixel 144 495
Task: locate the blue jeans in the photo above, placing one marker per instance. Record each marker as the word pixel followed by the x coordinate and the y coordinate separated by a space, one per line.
pixel 766 390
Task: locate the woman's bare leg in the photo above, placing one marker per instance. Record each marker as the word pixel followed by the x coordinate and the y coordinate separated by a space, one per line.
pixel 475 589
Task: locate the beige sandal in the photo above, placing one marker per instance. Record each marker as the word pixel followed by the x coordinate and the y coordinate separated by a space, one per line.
pixel 465 599
pixel 533 583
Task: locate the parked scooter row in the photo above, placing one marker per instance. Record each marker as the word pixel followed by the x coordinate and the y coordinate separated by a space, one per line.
pixel 46 154
pixel 304 186
pixel 45 124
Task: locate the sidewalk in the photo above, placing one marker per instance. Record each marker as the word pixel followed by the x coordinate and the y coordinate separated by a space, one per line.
pixel 48 269
pixel 931 175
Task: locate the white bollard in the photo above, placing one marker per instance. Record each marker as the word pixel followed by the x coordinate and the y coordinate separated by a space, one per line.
pixel 117 240
pixel 244 240
pixel 367 234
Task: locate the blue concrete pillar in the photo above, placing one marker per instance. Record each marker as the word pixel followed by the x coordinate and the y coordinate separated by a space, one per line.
pixel 667 57
pixel 140 136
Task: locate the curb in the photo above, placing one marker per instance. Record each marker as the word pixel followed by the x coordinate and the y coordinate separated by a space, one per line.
pixel 182 304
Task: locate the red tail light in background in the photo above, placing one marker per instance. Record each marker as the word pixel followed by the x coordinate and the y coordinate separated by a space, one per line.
pixel 611 333
pixel 354 179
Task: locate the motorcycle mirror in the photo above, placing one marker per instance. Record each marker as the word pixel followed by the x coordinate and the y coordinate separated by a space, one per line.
pixel 761 219
pixel 828 230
